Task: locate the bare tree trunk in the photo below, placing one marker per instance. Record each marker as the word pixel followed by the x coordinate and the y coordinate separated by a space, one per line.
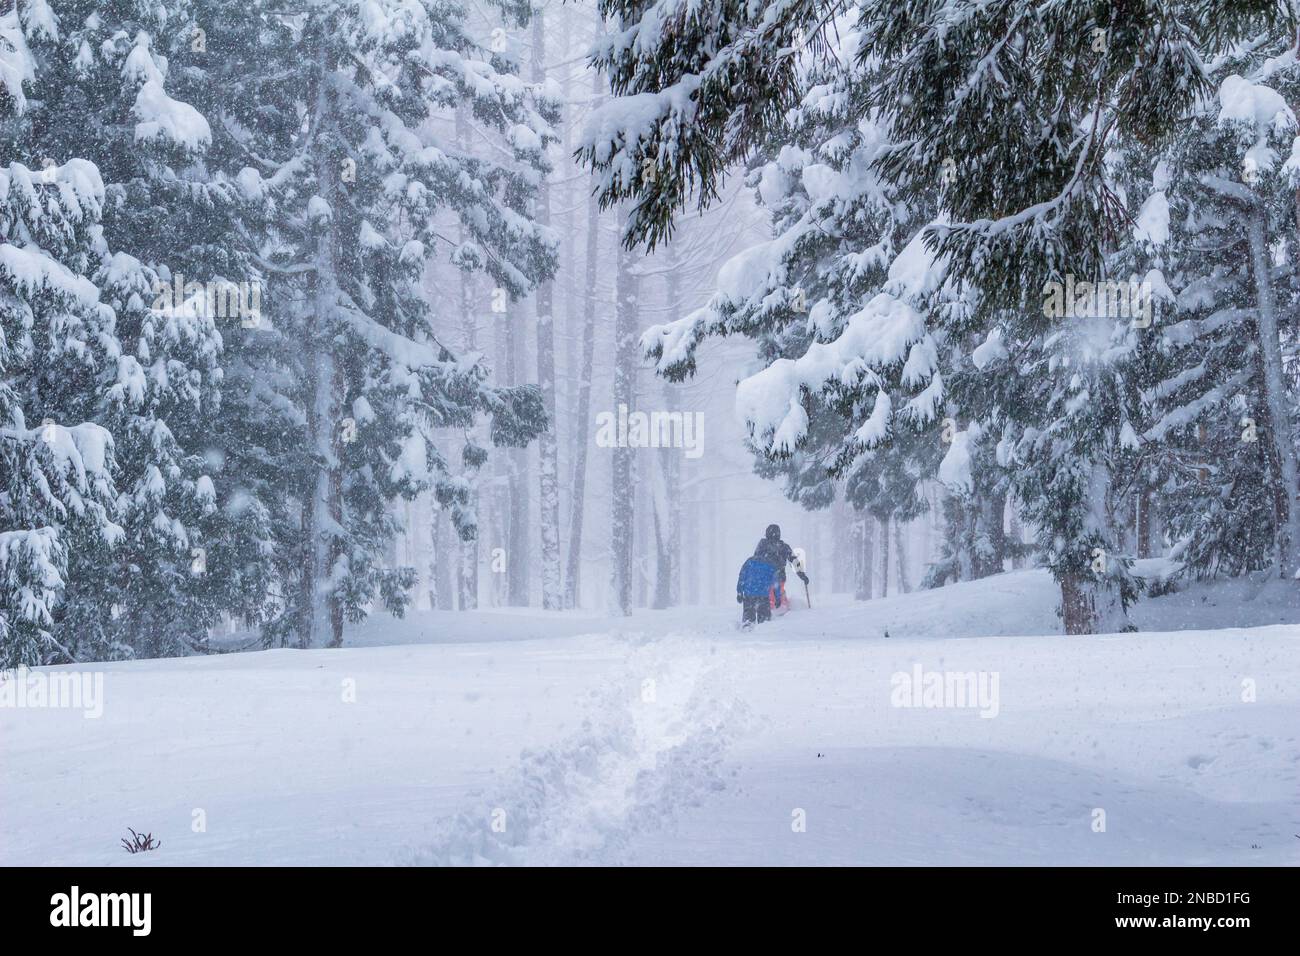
pixel 305 624
pixel 691 549
pixel 500 555
pixel 668 525
pixel 622 485
pixel 820 551
pixel 927 536
pixel 901 550
pixel 582 413
pixel 518 546
pixel 836 554
pixel 1142 526
pixel 1078 613
pixel 548 454
pixel 1016 534
pixel 519 551
pixel 864 551
pixel 674 563
pixel 440 591
pixel 576 432
pixel 467 565
pixel 844 548
pixel 334 507
pixel 665 530
pixel 717 580
pixel 1288 534
pixel 990 539
pixel 668 504
pixel 884 557
pixel 448 572
pixel 644 509
pixel 467 572
pixel 1157 528
pixel 431 560
pixel 1090 604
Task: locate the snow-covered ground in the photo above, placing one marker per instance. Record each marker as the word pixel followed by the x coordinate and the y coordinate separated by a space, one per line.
pixel 670 737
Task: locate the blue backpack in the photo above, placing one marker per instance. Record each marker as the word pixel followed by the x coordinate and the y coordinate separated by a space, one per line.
pixel 756 578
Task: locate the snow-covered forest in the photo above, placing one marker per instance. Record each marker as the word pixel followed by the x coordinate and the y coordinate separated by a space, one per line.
pixel 351 323
pixel 312 315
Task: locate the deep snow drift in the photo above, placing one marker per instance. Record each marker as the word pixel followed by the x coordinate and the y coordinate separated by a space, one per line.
pixel 670 737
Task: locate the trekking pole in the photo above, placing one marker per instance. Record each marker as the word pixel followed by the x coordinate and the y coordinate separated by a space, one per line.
pixel 805 595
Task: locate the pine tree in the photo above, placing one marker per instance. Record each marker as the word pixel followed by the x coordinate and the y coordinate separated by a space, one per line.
pixel 253 476
pixel 851 395
pixel 57 494
pixel 354 194
pixel 974 545
pixel 1212 446
pixel 1014 107
pixel 190 551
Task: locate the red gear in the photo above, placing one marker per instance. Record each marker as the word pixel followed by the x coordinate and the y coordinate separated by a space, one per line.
pixel 779 606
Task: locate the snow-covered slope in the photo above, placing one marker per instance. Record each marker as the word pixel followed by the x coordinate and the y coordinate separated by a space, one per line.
pixel 1013 604
pixel 672 738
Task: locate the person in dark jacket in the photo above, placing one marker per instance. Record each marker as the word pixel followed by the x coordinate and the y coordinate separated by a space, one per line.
pixel 772 550
pixel 752 590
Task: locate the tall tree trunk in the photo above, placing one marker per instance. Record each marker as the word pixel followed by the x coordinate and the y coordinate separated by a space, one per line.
pixel 1279 431
pixel 927 535
pixel 334 507
pixel 900 549
pixel 641 532
pixel 1016 534
pixel 666 529
pixel 305 624
pixel 1142 527
pixel 622 485
pixel 1078 612
pixel 467 565
pixel 990 539
pixel 429 560
pixel 468 549
pixel 864 550
pixel 498 551
pixel 518 554
pixel 717 580
pixel 884 556
pixel 447 569
pixel 439 570
pixel 548 455
pixel 498 544
pixel 835 562
pixel 691 549
pixel 673 564
pixel 574 313
pixel 519 551
pixel 852 542
pixel 582 413
pixel 668 496
pixel 1091 602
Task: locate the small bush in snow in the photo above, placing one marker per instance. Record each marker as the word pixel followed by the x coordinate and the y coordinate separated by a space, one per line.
pixel 139 843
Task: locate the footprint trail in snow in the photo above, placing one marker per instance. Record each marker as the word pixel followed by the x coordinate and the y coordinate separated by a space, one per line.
pixel 653 744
